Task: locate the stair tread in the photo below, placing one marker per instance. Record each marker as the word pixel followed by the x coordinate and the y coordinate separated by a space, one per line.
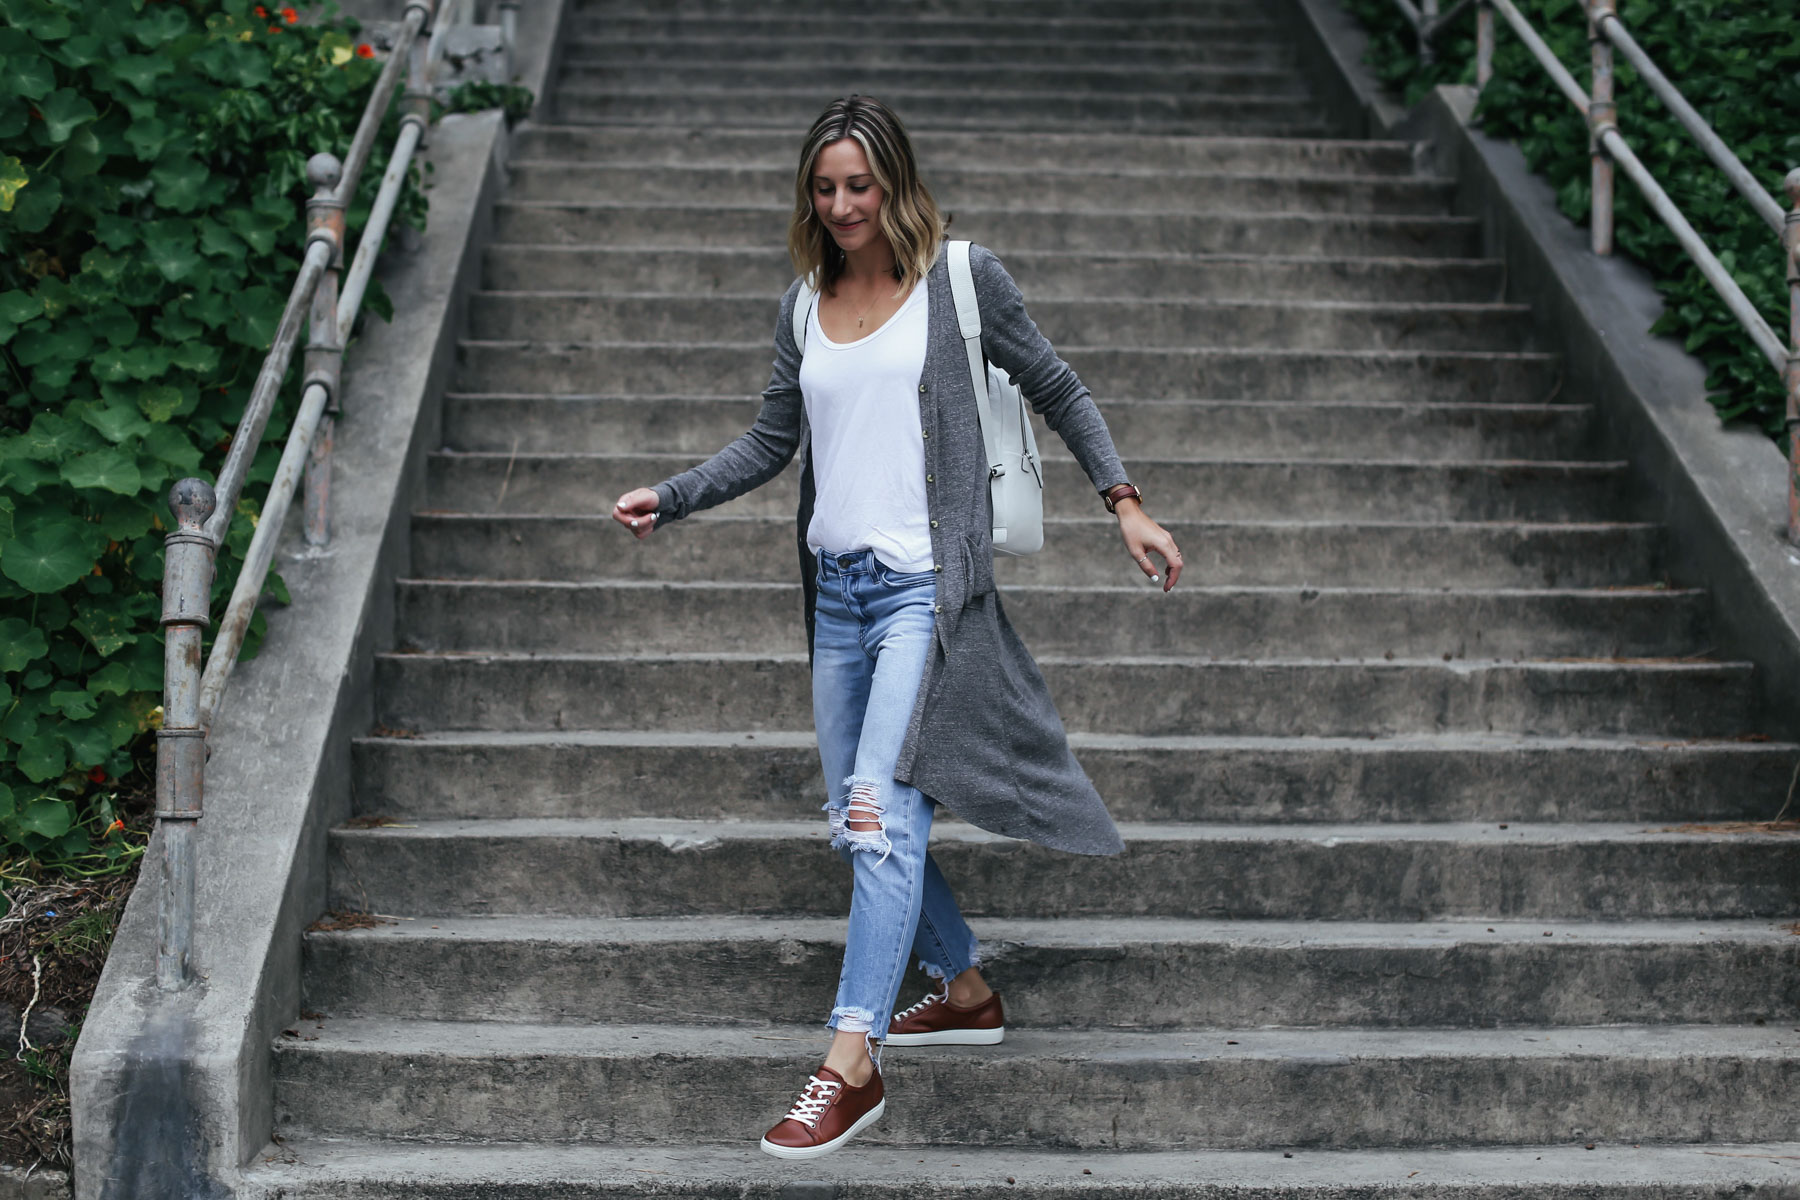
pixel 313 1166
pixel 682 832
pixel 1078 932
pixel 486 1040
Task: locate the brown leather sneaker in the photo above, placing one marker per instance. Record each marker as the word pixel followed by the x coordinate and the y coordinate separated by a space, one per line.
pixel 934 1021
pixel 828 1113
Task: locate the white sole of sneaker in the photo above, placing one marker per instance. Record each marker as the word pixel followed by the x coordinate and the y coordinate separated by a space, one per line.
pixel 950 1037
pixel 769 1147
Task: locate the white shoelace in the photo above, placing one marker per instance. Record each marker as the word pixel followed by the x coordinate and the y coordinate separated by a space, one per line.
pixel 814 1099
pixel 927 1002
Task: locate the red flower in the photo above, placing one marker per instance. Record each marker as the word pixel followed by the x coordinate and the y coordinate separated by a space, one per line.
pixel 365 50
pixel 260 11
pixel 97 775
pixel 289 15
pixel 274 29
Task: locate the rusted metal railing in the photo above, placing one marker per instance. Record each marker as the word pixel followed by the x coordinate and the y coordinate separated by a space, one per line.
pixel 1607 33
pixel 203 512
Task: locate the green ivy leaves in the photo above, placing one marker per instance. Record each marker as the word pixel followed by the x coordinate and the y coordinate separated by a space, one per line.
pixel 1739 65
pixel 151 218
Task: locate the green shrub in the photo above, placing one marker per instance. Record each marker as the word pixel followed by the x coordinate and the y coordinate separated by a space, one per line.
pixel 1738 64
pixel 152 158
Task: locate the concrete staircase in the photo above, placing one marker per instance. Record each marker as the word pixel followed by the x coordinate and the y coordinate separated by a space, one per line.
pixel 1415 768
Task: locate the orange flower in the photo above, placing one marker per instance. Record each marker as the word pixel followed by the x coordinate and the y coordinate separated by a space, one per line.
pixel 364 50
pixel 116 827
pixel 289 15
pixel 274 29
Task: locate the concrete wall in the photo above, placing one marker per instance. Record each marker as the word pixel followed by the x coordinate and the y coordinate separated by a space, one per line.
pixel 172 1094
pixel 1721 491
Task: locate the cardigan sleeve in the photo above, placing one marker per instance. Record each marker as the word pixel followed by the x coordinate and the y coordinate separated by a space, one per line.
pixel 1012 342
pixel 760 453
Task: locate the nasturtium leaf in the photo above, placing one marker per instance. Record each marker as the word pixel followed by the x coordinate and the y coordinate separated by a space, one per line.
pixel 52 550
pixel 179 180
pixel 116 232
pixel 217 240
pixel 202 358
pixel 24 477
pixel 113 322
pixel 76 705
pixel 148 137
pixel 64 110
pixel 21 717
pixel 47 817
pixel 117 721
pixel 259 310
pixel 34 208
pixel 173 255
pixel 113 469
pixel 142 71
pixel 6 517
pixel 105 626
pixel 52 438
pixel 146 359
pixel 115 421
pixel 169 444
pixel 161 401
pixel 67 340
pixel 122 518
pixel 28 76
pixel 81 50
pixel 82 156
pixel 12 177
pixel 42 21
pixel 20 644
pixel 113 678
pixel 19 307
pixel 260 229
pixel 159 23
pixel 87 745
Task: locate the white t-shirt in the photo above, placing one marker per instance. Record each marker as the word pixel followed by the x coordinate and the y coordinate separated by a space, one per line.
pixel 868 456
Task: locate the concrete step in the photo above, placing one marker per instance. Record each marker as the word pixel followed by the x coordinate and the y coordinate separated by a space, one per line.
pixel 984 148
pixel 1091 973
pixel 1142 190
pixel 1001 75
pixel 690 227
pixel 1292 429
pixel 1145 697
pixel 646 867
pixel 1182 490
pixel 1150 373
pixel 1078 550
pixel 775 776
pixel 586 316
pixel 1116 1091
pixel 810 49
pixel 373 1170
pixel 951 107
pixel 1084 29
pixel 1124 619
pixel 1043 275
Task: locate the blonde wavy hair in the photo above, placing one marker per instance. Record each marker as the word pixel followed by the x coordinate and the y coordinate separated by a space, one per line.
pixel 909 216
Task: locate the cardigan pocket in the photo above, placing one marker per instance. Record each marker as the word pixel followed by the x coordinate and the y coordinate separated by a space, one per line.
pixel 978 566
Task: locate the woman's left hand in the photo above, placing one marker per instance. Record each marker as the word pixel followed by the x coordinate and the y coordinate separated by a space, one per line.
pixel 1144 537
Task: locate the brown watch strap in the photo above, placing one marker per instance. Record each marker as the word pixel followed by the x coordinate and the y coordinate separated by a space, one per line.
pixel 1118 492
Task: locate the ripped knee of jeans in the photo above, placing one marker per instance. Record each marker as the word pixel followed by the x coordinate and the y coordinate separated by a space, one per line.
pixel 857 824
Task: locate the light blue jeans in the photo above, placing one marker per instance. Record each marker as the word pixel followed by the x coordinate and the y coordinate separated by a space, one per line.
pixel 872 637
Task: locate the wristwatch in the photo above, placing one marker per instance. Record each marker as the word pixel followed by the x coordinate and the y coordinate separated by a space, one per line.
pixel 1118 492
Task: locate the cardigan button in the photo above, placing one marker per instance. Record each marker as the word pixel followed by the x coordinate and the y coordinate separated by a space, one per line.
pixel 935 567
pixel 937 608
pixel 931 479
pixel 921 387
pixel 925 432
pixel 934 524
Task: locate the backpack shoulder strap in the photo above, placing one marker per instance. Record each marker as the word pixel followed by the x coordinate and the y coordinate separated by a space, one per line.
pixel 803 306
pixel 968 320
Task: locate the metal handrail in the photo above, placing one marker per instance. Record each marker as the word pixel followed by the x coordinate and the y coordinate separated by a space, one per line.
pixel 203 512
pixel 1605 31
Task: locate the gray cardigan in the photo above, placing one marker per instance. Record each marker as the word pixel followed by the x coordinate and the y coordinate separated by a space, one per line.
pixel 985 740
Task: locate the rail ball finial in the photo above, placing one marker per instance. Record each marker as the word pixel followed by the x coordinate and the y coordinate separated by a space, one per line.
pixel 192 501
pixel 1793 187
pixel 323 171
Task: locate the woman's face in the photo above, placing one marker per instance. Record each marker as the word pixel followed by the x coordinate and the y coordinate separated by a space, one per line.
pixel 846 196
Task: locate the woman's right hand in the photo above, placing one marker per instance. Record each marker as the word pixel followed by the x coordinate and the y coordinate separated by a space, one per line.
pixel 636 510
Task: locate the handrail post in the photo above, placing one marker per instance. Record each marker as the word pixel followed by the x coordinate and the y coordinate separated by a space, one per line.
pixel 1790 236
pixel 1427 29
pixel 324 350
pixel 509 33
pixel 1484 44
pixel 181 742
pixel 1603 114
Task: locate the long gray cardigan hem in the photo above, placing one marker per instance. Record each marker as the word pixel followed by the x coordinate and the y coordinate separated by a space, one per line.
pixel 985 740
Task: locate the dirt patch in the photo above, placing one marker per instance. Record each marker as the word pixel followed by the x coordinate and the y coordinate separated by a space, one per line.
pixel 1734 827
pixel 337 922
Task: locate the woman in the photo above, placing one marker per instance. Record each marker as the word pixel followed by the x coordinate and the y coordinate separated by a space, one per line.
pixel 922 692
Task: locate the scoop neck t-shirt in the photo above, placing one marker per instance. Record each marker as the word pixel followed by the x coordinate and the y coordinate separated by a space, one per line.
pixel 868 459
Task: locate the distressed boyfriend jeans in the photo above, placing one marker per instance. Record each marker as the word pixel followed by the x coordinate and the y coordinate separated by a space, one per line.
pixel 872 636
